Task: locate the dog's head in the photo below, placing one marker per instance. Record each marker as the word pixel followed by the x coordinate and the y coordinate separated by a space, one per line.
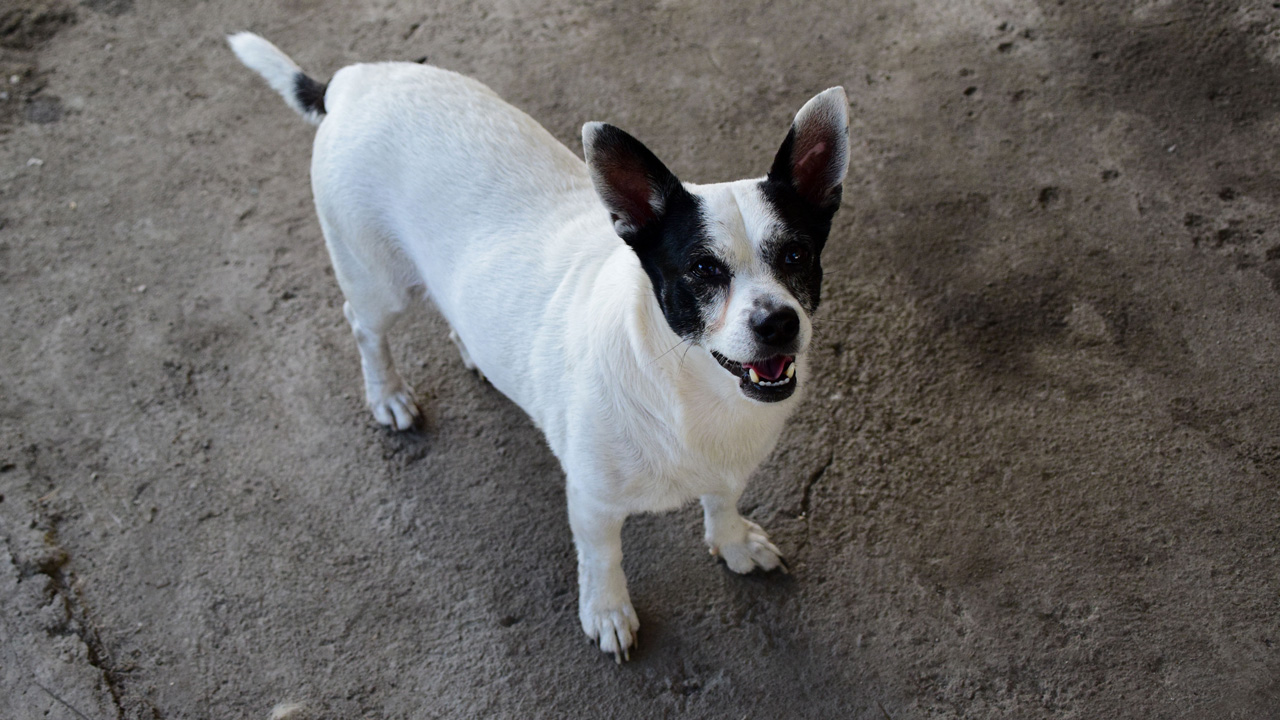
pixel 735 266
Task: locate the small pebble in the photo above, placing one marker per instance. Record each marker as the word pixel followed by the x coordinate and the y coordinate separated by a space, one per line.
pixel 13 79
pixel 35 162
pixel 140 289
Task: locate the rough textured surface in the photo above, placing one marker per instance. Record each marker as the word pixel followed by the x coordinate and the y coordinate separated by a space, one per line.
pixel 1037 477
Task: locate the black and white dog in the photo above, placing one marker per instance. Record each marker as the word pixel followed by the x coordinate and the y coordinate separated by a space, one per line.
pixel 654 330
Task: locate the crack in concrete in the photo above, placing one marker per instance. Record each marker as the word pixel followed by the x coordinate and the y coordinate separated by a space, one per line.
pixel 807 497
pixel 80 625
pixel 78 621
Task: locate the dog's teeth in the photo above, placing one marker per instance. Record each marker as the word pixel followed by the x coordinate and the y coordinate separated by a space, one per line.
pixel 791 370
pixel 755 377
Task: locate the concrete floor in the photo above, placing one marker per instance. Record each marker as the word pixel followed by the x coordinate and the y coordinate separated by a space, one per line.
pixel 1037 477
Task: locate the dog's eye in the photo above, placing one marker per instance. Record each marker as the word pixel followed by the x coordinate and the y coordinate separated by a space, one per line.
pixel 796 255
pixel 708 269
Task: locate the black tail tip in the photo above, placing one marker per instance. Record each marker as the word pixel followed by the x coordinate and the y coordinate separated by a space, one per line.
pixel 309 93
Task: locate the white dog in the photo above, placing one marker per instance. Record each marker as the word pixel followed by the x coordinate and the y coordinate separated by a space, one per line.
pixel 654 330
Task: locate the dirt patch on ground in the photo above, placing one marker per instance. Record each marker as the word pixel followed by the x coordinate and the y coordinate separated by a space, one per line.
pixel 24 27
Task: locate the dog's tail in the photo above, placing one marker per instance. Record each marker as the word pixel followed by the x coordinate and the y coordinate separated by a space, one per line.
pixel 283 75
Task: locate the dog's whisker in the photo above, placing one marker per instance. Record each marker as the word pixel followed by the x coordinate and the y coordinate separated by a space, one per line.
pixel 673 347
pixel 686 354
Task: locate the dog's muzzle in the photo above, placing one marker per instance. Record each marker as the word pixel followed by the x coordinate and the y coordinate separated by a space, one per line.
pixel 768 380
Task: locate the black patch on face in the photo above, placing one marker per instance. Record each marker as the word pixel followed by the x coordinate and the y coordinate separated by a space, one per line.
pixel 661 221
pixel 310 93
pixel 805 228
pixel 669 249
pixel 796 262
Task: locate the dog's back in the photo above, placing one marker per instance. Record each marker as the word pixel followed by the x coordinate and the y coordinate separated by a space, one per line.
pixel 474 195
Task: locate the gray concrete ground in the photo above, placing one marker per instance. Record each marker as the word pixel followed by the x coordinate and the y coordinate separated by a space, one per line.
pixel 1037 478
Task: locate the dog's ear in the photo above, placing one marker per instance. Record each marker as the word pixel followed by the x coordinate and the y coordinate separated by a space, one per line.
pixel 631 180
pixel 814 158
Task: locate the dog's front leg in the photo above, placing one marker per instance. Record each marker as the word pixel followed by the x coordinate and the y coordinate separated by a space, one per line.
pixel 604 606
pixel 743 544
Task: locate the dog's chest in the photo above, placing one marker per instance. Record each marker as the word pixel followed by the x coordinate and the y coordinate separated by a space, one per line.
pixel 700 447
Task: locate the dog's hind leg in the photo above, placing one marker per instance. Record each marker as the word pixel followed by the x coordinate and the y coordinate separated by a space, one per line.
pixel 378 286
pixel 467 362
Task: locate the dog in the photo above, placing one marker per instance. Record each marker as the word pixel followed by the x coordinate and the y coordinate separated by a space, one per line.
pixel 654 330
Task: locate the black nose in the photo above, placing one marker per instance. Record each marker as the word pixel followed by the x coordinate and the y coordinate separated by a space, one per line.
pixel 775 327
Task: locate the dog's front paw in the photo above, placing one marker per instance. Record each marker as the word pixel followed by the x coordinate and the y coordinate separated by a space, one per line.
pixel 612 625
pixel 753 550
pixel 397 409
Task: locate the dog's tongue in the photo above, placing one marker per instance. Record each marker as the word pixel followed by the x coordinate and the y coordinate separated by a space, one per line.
pixel 772 368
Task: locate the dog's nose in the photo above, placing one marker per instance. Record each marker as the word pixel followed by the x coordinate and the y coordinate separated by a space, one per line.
pixel 775 327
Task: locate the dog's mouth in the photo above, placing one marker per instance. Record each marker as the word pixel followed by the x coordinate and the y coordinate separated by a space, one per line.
pixel 768 380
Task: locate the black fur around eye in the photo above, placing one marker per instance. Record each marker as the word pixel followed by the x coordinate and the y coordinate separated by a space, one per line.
pixel 709 270
pixel 796 256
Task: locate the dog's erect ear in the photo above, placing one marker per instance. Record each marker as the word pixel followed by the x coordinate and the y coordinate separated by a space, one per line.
pixel 815 156
pixel 631 180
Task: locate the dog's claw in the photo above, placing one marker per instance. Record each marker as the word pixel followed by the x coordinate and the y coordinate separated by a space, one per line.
pixel 397 410
pixel 613 631
pixel 753 551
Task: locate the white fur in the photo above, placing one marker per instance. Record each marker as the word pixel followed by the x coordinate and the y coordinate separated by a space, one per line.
pixel 425 179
